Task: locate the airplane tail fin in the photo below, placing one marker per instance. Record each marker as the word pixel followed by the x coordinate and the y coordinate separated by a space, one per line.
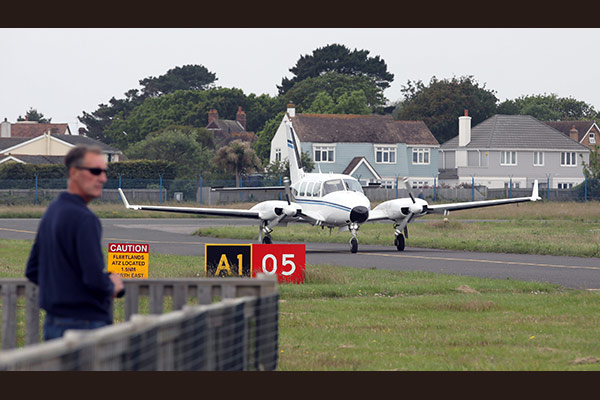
pixel 535 194
pixel 296 170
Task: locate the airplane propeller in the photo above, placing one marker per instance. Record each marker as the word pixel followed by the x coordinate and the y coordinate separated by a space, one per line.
pixel 414 209
pixel 283 212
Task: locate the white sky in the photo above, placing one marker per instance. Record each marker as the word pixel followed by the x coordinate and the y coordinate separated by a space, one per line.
pixel 64 71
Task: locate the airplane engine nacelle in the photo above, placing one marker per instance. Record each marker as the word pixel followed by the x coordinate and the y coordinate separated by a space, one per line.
pixel 269 210
pixel 400 208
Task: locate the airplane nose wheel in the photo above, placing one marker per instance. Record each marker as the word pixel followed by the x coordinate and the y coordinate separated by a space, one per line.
pixel 353 241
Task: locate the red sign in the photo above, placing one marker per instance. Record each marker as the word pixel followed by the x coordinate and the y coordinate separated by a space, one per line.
pixel 286 261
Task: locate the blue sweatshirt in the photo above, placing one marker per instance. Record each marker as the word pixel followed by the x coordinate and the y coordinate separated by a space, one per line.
pixel 67 263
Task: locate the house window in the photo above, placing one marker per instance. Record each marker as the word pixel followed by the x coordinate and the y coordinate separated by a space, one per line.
pixel 385 154
pixel 420 156
pixel 538 158
pixel 277 154
pixel 324 154
pixel 565 185
pixel 508 158
pixel 567 158
pixel 592 137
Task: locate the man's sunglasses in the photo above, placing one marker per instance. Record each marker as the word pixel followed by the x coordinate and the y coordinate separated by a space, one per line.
pixel 93 171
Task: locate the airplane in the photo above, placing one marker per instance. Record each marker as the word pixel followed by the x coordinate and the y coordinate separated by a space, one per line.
pixel 333 201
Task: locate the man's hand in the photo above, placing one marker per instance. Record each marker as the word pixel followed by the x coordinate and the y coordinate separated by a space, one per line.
pixel 118 283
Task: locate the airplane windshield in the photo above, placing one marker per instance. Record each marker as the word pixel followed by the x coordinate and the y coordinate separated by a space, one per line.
pixel 334 185
pixel 353 185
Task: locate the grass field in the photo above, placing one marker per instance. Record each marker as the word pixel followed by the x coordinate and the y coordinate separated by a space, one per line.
pixel 344 319
pixel 554 237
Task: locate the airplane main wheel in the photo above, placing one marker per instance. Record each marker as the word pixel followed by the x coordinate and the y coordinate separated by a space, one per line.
pixel 353 245
pixel 267 240
pixel 399 242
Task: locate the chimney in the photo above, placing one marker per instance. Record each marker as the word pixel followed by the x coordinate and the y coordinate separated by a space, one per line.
pixel 574 134
pixel 464 129
pixel 5 128
pixel 213 115
pixel 241 117
pixel 291 110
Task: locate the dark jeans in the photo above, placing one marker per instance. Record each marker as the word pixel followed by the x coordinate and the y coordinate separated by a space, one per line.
pixel 55 327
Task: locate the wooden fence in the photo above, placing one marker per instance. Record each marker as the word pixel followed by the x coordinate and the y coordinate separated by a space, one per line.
pixel 202 290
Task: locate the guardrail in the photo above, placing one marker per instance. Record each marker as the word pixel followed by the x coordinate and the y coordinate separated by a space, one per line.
pixel 15 291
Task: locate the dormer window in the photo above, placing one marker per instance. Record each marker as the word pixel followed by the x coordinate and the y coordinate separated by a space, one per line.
pixel 592 138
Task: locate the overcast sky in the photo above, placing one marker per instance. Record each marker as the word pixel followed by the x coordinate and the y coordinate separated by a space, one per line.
pixel 62 72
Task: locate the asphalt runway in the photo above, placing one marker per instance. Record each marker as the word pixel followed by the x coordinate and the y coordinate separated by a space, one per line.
pixel 174 236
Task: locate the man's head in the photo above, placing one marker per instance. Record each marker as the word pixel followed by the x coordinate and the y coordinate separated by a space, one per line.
pixel 87 172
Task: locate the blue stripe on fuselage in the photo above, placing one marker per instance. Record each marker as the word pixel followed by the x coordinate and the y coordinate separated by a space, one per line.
pixel 323 203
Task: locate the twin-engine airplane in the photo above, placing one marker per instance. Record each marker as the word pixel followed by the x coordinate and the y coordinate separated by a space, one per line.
pixel 332 200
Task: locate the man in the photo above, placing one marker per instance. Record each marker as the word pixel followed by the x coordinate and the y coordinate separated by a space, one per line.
pixel 66 260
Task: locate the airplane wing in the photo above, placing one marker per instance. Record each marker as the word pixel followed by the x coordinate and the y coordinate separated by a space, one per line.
pixel 441 208
pixel 222 212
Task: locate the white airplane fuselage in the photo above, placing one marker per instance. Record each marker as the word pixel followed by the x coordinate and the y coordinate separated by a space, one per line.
pixel 329 198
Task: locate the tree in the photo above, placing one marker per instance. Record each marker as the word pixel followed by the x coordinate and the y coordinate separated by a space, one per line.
pixel 34 115
pixel 338 58
pixel 195 77
pixel 548 108
pixel 188 77
pixel 238 157
pixel 185 107
pixel 441 103
pixel 592 169
pixel 304 94
pixel 180 145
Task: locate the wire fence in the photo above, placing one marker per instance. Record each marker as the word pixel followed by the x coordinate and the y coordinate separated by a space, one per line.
pixel 231 334
pixel 42 191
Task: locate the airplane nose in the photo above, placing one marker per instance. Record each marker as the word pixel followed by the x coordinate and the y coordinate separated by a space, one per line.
pixel 359 214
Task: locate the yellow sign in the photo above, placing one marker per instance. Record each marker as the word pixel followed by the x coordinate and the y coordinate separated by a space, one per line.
pixel 128 260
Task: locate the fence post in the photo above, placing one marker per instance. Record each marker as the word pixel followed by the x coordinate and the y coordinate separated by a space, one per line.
pixel 36 189
pixel 510 190
pixel 120 181
pixel 472 188
pixel 585 189
pixel 200 189
pixel 547 187
pixel 434 188
pixel 160 183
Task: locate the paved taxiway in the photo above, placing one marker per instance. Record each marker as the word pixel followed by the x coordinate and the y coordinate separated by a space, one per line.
pixel 173 236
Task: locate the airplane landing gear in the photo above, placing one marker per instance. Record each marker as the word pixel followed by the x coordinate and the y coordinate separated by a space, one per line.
pixel 399 241
pixel 354 241
pixel 264 229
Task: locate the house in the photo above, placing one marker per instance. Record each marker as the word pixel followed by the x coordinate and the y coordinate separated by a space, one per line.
pixel 372 148
pixel 511 149
pixel 585 132
pixel 48 148
pixel 30 129
pixel 225 131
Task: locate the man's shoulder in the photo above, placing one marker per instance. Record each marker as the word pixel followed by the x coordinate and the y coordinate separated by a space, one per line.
pixel 72 206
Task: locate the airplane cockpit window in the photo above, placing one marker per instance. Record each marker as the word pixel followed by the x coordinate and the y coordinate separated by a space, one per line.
pixel 316 189
pixel 334 185
pixel 302 189
pixel 309 188
pixel 353 185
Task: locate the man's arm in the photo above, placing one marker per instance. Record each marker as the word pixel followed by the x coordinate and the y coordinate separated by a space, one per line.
pixel 91 258
pixel 31 270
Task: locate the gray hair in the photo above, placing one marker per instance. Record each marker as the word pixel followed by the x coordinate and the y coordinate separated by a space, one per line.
pixel 77 153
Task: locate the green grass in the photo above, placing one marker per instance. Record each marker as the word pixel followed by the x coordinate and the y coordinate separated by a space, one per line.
pixel 365 319
pixel 554 237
